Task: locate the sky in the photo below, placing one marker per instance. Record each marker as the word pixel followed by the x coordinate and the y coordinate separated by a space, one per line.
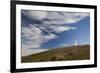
pixel 46 30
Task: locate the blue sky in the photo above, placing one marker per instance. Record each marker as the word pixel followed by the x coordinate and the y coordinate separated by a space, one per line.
pixel 45 30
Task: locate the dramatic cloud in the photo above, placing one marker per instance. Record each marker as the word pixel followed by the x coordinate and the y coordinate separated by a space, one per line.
pixel 65 17
pixel 55 17
pixel 32 37
pixel 36 34
pixel 38 15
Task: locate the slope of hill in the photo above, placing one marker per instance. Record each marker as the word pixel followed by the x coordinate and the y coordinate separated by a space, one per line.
pixel 81 52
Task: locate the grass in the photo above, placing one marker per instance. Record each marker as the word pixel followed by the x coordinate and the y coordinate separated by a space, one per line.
pixel 81 52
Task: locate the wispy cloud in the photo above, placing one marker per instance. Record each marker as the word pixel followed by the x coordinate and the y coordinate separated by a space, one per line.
pixel 64 45
pixel 34 35
pixel 38 15
pixel 26 51
pixel 59 29
pixel 55 17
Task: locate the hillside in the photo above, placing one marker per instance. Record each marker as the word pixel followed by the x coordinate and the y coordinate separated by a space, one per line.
pixel 81 52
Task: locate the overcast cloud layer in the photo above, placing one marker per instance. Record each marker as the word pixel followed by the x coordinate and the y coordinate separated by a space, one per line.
pixel 51 24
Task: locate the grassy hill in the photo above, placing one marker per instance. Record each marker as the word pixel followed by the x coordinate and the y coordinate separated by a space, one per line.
pixel 81 52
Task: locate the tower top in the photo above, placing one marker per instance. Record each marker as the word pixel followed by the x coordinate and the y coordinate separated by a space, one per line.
pixel 75 44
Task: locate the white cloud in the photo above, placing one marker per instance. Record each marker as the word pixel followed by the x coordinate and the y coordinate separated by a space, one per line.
pixel 38 15
pixel 26 51
pixel 50 36
pixel 64 45
pixel 56 17
pixel 32 37
pixel 60 29
pixel 75 17
pixel 64 17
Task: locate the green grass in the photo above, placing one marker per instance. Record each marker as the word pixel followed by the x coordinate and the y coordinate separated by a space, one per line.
pixel 81 52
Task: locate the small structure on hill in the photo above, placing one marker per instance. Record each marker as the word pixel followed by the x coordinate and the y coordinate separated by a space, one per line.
pixel 75 43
